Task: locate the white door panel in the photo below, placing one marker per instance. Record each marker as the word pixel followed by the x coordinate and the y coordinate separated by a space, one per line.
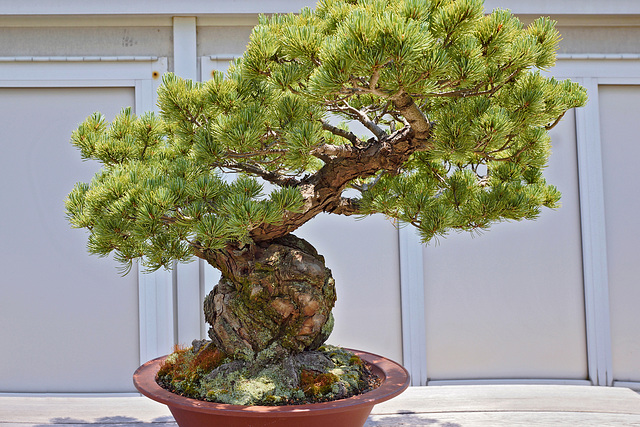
pixel 620 130
pixel 510 303
pixel 70 321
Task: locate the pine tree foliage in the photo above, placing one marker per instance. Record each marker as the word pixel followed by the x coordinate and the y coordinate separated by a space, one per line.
pixel 455 106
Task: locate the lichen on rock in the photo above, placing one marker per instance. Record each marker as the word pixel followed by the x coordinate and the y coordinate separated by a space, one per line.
pixel 328 373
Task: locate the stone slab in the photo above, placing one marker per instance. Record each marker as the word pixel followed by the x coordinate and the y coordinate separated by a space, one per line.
pixel 48 410
pixel 513 398
pixel 510 419
pixel 437 406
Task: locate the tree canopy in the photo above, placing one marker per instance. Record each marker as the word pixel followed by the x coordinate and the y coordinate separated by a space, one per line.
pixel 451 103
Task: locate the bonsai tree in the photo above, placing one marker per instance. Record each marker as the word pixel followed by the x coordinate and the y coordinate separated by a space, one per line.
pixel 456 114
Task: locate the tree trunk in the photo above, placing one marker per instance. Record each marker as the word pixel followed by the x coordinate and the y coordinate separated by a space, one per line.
pixel 277 292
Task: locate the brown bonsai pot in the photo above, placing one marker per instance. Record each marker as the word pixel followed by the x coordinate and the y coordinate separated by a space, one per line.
pixel 349 412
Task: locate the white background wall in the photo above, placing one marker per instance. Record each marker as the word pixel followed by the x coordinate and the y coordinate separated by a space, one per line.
pixel 363 257
pixel 509 303
pixel 620 126
pixel 553 300
pixel 60 308
pixel 71 323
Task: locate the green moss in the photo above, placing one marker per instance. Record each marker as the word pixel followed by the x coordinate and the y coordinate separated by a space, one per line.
pixel 262 383
pixel 240 388
pixel 327 328
pixel 355 360
pixel 183 370
pixel 316 384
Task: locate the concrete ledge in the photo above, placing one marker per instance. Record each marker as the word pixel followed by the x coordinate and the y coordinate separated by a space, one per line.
pixel 48 410
pixel 510 405
pixel 450 406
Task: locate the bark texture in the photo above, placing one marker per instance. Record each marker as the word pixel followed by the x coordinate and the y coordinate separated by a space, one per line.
pixel 322 191
pixel 277 294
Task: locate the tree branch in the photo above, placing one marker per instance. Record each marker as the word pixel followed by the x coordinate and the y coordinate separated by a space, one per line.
pixel 236 155
pixel 344 206
pixel 464 93
pixel 328 152
pixel 341 132
pixel 369 186
pixel 405 104
pixel 552 125
pixel 269 176
pixel 322 191
pixel 373 82
pixel 362 117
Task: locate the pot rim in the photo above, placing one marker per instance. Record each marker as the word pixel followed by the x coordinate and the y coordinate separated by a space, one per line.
pixel 395 379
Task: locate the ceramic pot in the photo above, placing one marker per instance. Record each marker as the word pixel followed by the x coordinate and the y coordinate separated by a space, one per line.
pixel 349 412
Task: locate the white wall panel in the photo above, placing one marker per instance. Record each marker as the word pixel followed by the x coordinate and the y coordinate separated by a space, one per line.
pixel 70 321
pixel 363 257
pixel 509 303
pixel 620 128
pixel 219 40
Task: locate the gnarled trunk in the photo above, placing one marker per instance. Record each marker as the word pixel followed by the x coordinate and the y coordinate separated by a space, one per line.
pixel 277 292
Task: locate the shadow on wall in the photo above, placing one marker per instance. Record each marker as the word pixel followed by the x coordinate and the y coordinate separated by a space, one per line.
pixel 407 419
pixel 113 421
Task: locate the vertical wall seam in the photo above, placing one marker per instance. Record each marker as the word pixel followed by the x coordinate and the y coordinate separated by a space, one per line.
pixel 185 65
pixel 154 308
pixel 185 61
pixel 594 247
pixel 414 341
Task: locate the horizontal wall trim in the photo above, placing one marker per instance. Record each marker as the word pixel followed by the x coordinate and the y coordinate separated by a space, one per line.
pixel 229 57
pixel 151 7
pixel 635 385
pixel 609 56
pixel 67 83
pixel 157 21
pixel 78 58
pixel 223 57
pixel 524 381
pixel 49 21
pixel 109 71
pixel 251 19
